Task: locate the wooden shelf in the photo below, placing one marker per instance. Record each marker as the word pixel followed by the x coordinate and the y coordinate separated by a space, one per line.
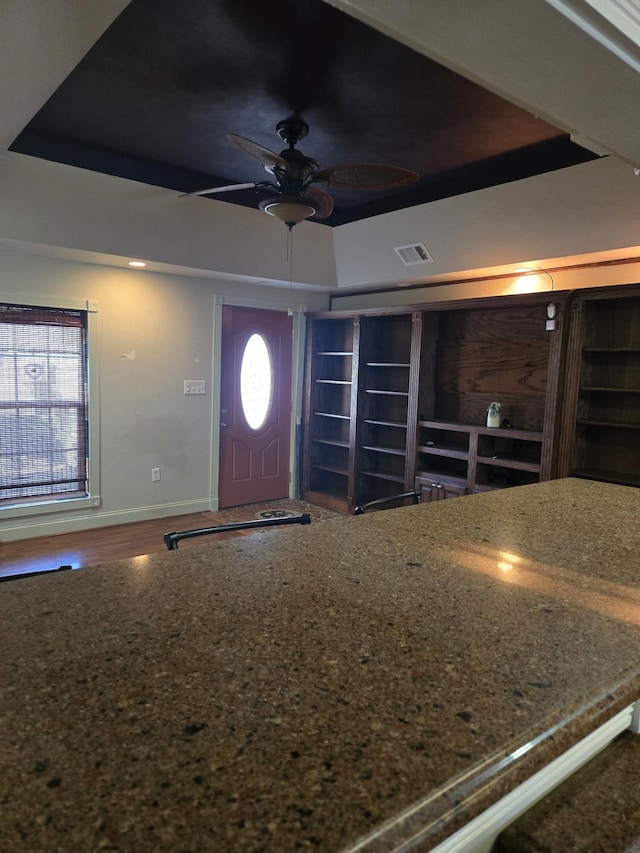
pixel 430 474
pixel 387 364
pixel 397 424
pixel 381 475
pixel 515 434
pixel 386 393
pixel 333 469
pixel 390 450
pixel 332 415
pixel 504 432
pixel 514 464
pixel 609 389
pixel 441 450
pixel 445 425
pixel 608 424
pixel 608 350
pixel 331 442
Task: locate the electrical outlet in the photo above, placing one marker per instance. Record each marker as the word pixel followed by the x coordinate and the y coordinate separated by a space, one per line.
pixel 155 475
pixel 195 386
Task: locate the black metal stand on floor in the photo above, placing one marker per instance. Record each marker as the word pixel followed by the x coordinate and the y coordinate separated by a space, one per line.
pixel 171 539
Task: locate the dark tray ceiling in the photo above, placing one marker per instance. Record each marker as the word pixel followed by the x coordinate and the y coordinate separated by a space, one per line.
pixel 154 99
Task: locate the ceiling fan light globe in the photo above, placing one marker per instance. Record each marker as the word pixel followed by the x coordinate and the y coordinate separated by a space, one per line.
pixel 288 209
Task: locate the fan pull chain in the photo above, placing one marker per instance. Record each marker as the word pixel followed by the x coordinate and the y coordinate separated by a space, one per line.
pixel 290 255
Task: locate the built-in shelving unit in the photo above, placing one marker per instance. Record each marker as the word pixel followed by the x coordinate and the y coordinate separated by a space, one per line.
pixel 607 438
pixel 386 409
pixel 331 377
pixel 489 351
pixel 398 399
pixel 454 459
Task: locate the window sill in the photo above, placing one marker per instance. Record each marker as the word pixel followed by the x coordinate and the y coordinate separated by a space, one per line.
pixel 48 507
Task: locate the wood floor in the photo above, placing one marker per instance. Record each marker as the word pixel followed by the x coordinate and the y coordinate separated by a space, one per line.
pixel 123 541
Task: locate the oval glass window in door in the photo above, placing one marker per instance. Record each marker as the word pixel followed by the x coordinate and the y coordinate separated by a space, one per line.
pixel 256 381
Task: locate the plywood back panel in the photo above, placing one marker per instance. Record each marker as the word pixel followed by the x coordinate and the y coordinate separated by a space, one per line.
pixel 493 354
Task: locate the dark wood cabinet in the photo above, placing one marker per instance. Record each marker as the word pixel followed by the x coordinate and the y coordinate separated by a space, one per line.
pixel 472 459
pixel 607 398
pixel 398 400
pixel 495 350
pixel 385 433
pixel 331 378
pixel 434 487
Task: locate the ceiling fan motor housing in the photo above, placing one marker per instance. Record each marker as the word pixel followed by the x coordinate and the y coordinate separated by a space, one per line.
pixel 301 168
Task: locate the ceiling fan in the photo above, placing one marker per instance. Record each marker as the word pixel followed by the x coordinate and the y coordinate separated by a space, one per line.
pixel 294 198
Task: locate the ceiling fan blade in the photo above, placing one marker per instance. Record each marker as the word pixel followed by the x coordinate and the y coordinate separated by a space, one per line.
pixel 269 159
pixel 226 189
pixel 366 176
pixel 322 202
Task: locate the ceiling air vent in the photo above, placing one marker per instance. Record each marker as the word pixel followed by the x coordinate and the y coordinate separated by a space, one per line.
pixel 415 253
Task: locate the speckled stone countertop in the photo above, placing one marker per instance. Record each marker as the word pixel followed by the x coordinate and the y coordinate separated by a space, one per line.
pixel 341 686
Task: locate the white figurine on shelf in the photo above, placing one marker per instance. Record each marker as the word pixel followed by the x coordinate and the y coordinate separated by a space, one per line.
pixel 493 415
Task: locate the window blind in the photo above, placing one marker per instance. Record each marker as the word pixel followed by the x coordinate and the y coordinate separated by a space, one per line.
pixel 43 411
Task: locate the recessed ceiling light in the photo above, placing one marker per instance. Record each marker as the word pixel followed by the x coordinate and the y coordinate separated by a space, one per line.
pixel 137 264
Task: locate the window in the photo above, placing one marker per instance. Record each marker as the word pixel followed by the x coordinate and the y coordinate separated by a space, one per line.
pixel 44 418
pixel 256 381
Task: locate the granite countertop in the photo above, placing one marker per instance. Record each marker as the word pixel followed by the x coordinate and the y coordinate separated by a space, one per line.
pixel 334 687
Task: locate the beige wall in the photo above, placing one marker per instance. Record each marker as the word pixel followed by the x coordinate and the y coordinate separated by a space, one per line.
pixel 154 331
pixel 534 282
pixel 50 204
pixel 593 207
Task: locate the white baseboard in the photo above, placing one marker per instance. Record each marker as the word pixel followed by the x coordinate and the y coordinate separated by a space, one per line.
pixel 35 527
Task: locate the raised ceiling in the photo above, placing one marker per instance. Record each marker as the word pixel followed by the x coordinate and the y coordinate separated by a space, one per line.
pixel 155 97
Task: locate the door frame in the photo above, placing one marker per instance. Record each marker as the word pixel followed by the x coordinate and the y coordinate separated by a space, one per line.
pixel 298 318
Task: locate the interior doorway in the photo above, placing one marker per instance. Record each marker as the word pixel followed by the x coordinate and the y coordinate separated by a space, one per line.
pixel 255 405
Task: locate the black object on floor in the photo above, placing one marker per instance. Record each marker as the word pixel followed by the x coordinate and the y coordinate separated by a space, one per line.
pixel 171 539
